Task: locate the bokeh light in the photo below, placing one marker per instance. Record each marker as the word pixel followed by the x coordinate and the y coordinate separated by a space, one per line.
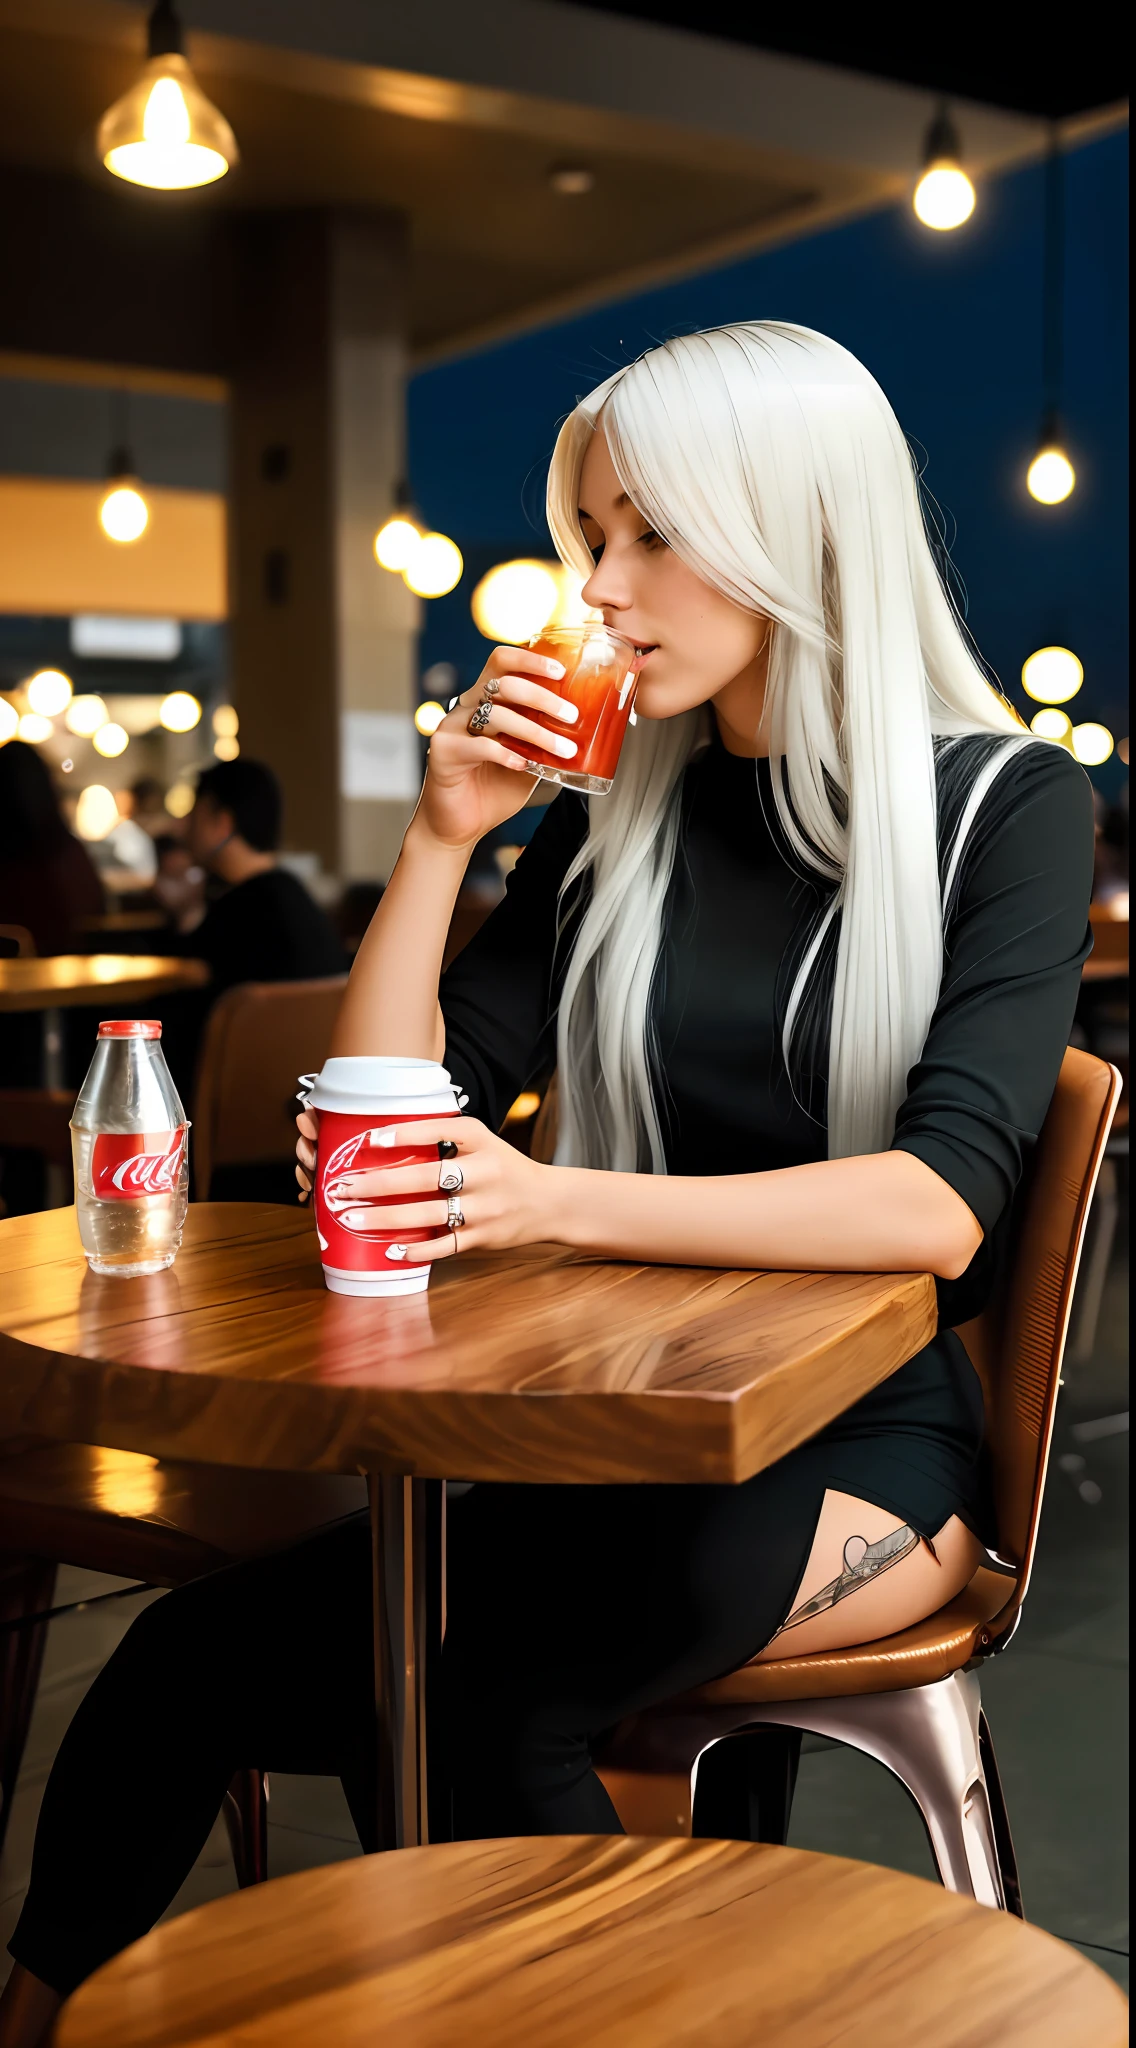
pixel 34 729
pixel 1092 744
pixel 435 566
pixel 513 601
pixel 84 715
pixel 944 196
pixel 111 740
pixel 395 543
pixel 124 514
pixel 428 718
pixel 1051 724
pixel 9 720
pixel 226 748
pixel 180 712
pixel 226 724
pixel 180 799
pixel 1050 477
pixel 49 692
pixel 1052 675
pixel 96 812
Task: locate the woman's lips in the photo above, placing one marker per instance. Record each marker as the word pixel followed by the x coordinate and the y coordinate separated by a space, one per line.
pixel 643 654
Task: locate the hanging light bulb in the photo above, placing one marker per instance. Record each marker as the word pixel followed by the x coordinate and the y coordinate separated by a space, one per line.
pixel 1050 477
pixel 124 514
pixel 396 542
pixel 180 711
pixel 164 132
pixel 944 196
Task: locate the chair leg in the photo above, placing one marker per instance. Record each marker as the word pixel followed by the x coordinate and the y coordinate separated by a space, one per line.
pixel 744 1786
pixel 246 1818
pixel 27 1588
pixel 1000 1821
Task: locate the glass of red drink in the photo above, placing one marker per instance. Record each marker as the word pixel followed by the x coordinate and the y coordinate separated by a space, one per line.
pixel 599 679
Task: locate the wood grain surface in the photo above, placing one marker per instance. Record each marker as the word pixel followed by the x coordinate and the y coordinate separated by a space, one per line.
pixel 537 1364
pixel 617 1943
pixel 64 980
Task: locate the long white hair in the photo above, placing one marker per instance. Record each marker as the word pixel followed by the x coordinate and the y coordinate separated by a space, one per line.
pixel 773 465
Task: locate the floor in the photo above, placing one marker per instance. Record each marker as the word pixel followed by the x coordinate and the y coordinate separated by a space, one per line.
pixel 1056 1703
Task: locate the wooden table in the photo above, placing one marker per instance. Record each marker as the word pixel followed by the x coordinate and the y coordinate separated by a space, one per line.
pixel 621 1943
pixel 534 1365
pixel 67 980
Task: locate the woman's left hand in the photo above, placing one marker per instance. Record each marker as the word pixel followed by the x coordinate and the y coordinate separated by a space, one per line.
pixel 504 1197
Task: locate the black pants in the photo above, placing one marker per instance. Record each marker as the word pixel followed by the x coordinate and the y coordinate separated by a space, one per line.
pixel 568 1607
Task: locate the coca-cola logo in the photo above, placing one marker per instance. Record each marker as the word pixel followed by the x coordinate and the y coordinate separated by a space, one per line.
pixel 125 1165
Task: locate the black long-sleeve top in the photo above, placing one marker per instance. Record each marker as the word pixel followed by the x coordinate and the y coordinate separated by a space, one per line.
pixel 1016 938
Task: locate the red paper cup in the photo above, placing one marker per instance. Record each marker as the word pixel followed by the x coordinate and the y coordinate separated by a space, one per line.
pixel 356 1099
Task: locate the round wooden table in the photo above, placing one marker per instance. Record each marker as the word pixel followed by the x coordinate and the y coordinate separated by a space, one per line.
pixel 620 1943
pixel 539 1364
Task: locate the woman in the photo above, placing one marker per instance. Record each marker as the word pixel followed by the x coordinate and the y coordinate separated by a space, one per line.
pixel 806 977
pixel 47 879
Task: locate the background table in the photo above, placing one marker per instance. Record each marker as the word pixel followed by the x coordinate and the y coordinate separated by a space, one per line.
pixel 68 980
pixel 539 1364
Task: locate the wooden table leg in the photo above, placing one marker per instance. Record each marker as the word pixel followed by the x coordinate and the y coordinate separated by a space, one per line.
pixel 408 1563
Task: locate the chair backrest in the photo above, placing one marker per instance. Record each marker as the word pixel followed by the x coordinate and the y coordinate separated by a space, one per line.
pixel 260 1037
pixel 1017 1344
pixel 16 942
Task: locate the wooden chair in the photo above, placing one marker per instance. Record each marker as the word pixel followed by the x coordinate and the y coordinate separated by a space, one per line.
pixel 260 1037
pixel 913 1700
pixel 135 1517
pixel 16 942
pixel 594 1938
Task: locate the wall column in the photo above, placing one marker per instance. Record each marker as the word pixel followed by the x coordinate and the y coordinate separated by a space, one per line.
pixel 324 641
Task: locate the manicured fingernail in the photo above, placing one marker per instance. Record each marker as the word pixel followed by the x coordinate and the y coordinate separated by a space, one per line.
pixel 565 748
pixel 568 712
pixel 396 1251
pixel 384 1138
pixel 551 668
pixel 355 1219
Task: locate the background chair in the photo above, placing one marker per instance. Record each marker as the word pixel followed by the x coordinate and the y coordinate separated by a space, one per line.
pixel 912 1700
pixel 159 1522
pixel 259 1038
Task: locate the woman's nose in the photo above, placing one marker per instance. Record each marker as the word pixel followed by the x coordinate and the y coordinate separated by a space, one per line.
pixel 606 588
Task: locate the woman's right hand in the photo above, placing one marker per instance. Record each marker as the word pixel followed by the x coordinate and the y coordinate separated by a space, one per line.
pixel 471 779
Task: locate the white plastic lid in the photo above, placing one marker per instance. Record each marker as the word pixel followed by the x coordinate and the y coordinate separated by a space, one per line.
pixel 360 1083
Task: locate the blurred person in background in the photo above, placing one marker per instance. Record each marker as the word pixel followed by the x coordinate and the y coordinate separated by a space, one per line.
pixel 150 808
pixel 128 847
pixel 263 925
pixel 179 884
pixel 48 881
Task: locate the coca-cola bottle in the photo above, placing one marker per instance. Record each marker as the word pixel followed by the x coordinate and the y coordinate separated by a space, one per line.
pixel 129 1139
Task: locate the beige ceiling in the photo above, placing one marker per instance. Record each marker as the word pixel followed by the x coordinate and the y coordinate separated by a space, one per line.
pixel 494 246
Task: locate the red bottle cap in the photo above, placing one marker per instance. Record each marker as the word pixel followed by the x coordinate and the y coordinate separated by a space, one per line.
pixel 131 1027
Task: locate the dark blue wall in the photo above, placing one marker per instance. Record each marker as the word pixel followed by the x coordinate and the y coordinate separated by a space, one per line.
pixel 950 325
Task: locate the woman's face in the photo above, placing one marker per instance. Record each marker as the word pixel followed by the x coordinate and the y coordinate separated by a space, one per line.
pixel 698 642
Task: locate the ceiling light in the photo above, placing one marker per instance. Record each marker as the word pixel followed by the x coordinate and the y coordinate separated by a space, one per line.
pixel 1052 675
pixel 226 724
pixel 428 718
pixel 572 180
pixel 180 712
pixel 515 600
pixel 1092 744
pixel 84 715
pixel 49 692
pixel 1051 477
pixel 34 729
pixel 226 747
pixel 435 567
pixel 124 514
pixel 1051 724
pixel 944 196
pixel 9 720
pixel 111 740
pixel 164 132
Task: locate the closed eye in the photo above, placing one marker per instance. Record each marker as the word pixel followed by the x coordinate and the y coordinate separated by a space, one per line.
pixel 651 540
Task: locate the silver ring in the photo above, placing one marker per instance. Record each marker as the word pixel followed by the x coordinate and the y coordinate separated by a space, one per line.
pixel 451 1180
pixel 481 717
pixel 491 685
pixel 454 1219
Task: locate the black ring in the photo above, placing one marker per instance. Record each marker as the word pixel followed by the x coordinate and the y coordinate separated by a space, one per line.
pixel 447 1149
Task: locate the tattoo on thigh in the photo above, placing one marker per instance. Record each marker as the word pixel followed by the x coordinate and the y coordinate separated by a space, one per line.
pixel 863 1562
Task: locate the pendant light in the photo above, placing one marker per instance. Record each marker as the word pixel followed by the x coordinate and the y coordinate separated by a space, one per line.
pixel 944 197
pixel 123 513
pixel 1051 476
pixel 164 132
